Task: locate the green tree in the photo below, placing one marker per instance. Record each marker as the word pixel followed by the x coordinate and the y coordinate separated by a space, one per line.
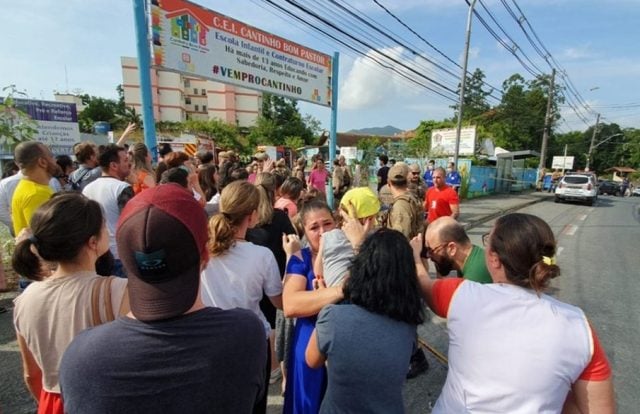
pixel 294 142
pixel 475 98
pixel 368 146
pixel 224 134
pixel 631 148
pixel 97 109
pixel 15 125
pixel 609 150
pixel 280 118
pixel 517 123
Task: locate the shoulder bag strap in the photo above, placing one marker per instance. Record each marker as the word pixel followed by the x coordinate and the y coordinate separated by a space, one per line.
pixel 95 301
pixel 107 299
pixel 102 284
pixel 124 305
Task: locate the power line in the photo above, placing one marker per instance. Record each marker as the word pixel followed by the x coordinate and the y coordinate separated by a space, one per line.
pixel 432 46
pixel 367 45
pixel 355 49
pixel 340 16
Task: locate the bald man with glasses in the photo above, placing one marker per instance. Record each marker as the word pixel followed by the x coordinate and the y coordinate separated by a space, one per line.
pixel 449 248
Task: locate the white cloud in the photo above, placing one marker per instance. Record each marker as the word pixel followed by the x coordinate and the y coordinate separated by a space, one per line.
pixel 580 52
pixel 368 85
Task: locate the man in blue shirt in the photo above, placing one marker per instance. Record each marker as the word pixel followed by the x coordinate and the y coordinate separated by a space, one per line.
pixel 453 178
pixel 428 174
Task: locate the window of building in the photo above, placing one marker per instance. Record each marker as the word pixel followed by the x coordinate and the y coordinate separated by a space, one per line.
pixel 203 92
pixel 197 108
pixel 204 108
pixel 187 100
pixel 195 91
pixel 187 83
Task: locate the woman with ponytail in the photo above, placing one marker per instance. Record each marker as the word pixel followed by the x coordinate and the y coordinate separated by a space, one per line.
pixel 69 232
pixel 239 271
pixel 272 224
pixel 512 348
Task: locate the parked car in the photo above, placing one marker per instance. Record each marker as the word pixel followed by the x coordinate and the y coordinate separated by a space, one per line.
pixel 577 187
pixel 636 191
pixel 609 187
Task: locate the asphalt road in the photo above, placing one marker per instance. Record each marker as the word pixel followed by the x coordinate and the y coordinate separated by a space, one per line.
pixel 600 262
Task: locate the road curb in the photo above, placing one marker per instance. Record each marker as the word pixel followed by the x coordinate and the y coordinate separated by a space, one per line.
pixel 499 213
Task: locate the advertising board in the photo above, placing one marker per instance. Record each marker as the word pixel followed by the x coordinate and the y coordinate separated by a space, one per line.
pixel 193 40
pixel 57 123
pixel 443 141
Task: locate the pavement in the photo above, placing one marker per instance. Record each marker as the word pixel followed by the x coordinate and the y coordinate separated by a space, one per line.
pixel 479 210
pixel 420 393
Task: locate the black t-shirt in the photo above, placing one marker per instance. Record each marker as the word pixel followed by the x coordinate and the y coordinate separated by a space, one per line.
pixel 270 236
pixel 383 173
pixel 208 361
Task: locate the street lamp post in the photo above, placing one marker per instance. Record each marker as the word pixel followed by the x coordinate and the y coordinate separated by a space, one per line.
pixel 463 81
pixel 593 140
pixel 592 147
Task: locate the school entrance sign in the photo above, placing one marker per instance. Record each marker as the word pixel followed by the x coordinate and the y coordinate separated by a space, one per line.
pixel 191 39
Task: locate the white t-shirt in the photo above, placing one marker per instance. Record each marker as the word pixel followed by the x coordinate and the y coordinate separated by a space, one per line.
pixel 237 279
pixel 510 350
pixel 106 191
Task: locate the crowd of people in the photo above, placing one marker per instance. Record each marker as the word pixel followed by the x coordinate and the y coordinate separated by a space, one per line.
pixel 193 285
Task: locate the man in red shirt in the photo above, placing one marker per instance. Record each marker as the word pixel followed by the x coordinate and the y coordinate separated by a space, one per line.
pixel 441 200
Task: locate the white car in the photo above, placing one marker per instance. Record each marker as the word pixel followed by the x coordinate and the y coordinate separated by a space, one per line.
pixel 577 187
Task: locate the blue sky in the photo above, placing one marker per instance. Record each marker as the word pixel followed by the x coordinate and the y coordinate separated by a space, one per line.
pixel 596 42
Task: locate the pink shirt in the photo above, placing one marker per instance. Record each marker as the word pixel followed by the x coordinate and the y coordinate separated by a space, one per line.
pixel 318 179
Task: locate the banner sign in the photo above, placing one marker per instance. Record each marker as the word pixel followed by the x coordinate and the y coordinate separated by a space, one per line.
pixel 562 163
pixel 443 141
pixel 193 40
pixel 57 123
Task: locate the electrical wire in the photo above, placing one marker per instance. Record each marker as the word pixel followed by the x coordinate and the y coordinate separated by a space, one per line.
pixel 435 48
pixel 356 50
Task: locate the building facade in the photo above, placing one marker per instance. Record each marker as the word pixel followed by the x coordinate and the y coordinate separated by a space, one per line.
pixel 177 97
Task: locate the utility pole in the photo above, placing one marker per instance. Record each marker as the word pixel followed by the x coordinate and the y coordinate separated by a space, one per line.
pixel 463 80
pixel 547 124
pixel 593 141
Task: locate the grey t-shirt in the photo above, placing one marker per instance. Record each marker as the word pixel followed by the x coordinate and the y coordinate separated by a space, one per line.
pixel 336 256
pixel 208 361
pixel 368 358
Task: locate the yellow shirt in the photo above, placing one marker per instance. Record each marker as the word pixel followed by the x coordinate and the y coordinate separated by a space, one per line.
pixel 28 196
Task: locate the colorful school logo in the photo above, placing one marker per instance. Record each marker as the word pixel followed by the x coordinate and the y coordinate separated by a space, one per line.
pixel 187 27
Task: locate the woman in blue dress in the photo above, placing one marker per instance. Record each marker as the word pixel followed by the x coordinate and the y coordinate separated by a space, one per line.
pixel 303 298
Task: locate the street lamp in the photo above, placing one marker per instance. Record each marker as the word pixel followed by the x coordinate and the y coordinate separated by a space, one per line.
pixel 463 80
pixel 592 147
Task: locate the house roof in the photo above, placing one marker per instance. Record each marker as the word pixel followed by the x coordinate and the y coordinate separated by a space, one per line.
pixel 518 155
pixel 351 140
pixel 181 12
pixel 621 169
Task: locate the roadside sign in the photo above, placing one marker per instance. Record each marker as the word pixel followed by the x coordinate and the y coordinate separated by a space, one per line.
pixel 443 141
pixel 562 162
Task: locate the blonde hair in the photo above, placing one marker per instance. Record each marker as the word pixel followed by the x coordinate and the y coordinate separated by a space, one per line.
pixel 139 153
pixel 237 201
pixel 266 185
